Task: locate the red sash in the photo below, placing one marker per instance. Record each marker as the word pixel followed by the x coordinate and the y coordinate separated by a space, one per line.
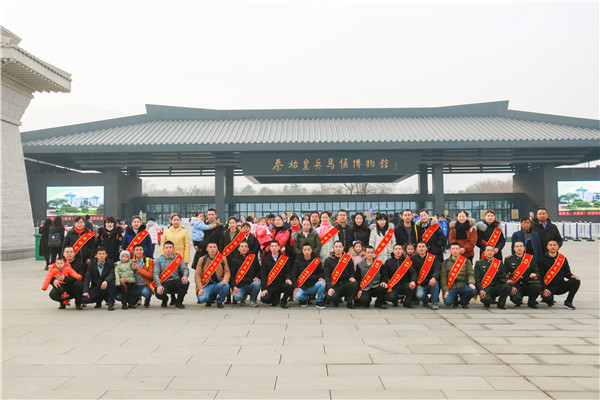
pixel 168 271
pixel 82 241
pixel 234 244
pixel 244 268
pixel 308 271
pixel 384 242
pixel 137 240
pixel 560 260
pixel 491 273
pixel 493 240
pixel 521 268
pixel 211 268
pixel 276 269
pixel 429 259
pixel 329 235
pixel 460 261
pixel 429 232
pixel 400 273
pixel 337 272
pixel 371 274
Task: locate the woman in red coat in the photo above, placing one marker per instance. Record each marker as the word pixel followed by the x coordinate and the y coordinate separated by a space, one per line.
pixel 464 232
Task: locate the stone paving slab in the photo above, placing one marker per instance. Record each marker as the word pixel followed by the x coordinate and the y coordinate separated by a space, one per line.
pixel 267 352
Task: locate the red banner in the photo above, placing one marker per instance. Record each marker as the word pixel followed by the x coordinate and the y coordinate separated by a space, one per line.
pixel 308 271
pixel 400 273
pixel 168 271
pixel 339 268
pixel 429 259
pixel 211 268
pixel 137 240
pixel 82 241
pixel 244 268
pixel 329 235
pixel 491 273
pixel 429 232
pixel 493 240
pixel 384 242
pixel 371 274
pixel 460 261
pixel 276 269
pixel 234 244
pixel 521 268
pixel 560 260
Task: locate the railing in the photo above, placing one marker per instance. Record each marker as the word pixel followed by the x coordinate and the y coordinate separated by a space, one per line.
pixel 576 231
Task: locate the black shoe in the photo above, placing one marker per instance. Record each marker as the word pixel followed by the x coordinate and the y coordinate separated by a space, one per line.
pixel 46 268
pixel 275 304
pixel 366 305
pixel 283 303
pixel 208 304
pixel 179 306
pixel 124 306
pixel 502 308
pixel 395 302
pixel 62 306
pixel 486 305
pixel 533 306
pixel 407 305
pixel 133 307
pixel 111 307
pixel 350 306
pixel 320 305
pixel 335 302
pixel 494 301
pixel 78 307
pixel 146 305
pixel 98 305
pixel 173 301
pixel 465 306
pixel 381 306
pixel 455 305
pixel 163 304
pixel 517 305
pixel 220 305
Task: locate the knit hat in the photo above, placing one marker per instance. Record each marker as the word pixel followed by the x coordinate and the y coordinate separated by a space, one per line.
pixel 124 252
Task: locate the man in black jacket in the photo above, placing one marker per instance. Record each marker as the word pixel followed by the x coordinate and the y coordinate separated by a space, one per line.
pixel 101 274
pixel 313 284
pixel 430 282
pixel 249 282
pixel 563 281
pixel 546 229
pixel 406 232
pixel 343 228
pixel 406 286
pixel 281 283
pixel 347 282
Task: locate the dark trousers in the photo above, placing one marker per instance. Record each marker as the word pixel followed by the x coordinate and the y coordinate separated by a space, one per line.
pixel 347 290
pixel 72 289
pixel 174 286
pixel 571 286
pixel 501 290
pixel 128 293
pixel 401 288
pixel 532 290
pixel 54 252
pixel 378 293
pixel 274 292
pixel 97 295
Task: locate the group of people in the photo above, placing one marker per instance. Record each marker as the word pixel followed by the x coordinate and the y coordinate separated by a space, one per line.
pixel 277 259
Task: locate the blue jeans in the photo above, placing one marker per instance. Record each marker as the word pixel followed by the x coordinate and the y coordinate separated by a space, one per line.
pixel 434 291
pixel 252 288
pixel 222 291
pixel 465 293
pixel 144 291
pixel 318 289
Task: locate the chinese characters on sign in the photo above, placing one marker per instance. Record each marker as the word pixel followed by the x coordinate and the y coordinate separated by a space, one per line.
pixel 335 164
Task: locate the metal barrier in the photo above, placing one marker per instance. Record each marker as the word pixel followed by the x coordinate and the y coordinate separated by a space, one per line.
pixel 576 231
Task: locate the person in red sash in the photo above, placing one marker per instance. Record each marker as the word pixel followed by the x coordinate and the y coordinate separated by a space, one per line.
pixel 87 252
pixel 228 236
pixel 137 228
pixel 379 230
pixel 326 247
pixel 377 286
pixel 463 232
pixel 427 283
pixel 490 228
pixel 555 265
pixel 177 281
pixel 345 282
pixel 248 282
pixel 435 238
pixel 110 237
pixel 528 279
pixel 215 285
pixel 488 279
pixel 101 275
pixel 457 282
pixel 314 283
pixel 144 271
pixel 275 277
pixel 407 285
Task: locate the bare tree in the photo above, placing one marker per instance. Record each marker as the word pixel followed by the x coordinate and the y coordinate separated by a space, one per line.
pixel 490 185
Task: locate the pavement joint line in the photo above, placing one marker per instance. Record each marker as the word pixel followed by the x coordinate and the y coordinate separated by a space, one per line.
pixel 382 384
pixel 228 369
pixel 494 355
pixel 72 348
pixel 188 360
pixel 275 385
pixel 70 377
pixel 134 366
pixel 168 384
pixel 126 340
pixel 157 347
pixel 99 359
pixel 26 333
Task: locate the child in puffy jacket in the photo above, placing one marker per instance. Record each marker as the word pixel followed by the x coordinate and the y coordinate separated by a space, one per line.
pixel 263 233
pixel 64 274
pixel 125 280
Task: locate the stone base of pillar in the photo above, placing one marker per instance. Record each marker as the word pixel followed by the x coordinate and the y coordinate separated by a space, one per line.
pixel 16 254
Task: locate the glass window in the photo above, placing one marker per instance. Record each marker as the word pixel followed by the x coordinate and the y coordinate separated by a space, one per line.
pixel 335 207
pixel 343 205
pixel 320 206
pixel 258 207
pixel 313 207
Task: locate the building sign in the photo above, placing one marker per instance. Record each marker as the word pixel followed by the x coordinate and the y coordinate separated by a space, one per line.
pixel 330 163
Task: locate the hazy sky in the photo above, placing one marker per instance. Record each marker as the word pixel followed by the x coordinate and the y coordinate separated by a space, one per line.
pixel 541 56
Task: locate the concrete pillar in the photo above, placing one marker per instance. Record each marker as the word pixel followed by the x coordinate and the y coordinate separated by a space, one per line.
pixel 438 189
pixel 423 185
pixel 220 192
pixel 229 190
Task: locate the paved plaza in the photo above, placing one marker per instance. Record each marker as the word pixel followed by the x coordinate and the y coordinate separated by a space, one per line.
pixel 241 352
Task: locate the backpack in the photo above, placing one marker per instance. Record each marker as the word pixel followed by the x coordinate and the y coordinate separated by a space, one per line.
pixel 54 239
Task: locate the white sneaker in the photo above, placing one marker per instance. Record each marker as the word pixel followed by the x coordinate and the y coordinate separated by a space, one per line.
pixel 434 307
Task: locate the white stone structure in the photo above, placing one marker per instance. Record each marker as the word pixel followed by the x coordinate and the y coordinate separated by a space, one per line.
pixel 22 75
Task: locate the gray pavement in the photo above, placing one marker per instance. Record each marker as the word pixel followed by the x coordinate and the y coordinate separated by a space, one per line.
pixel 240 352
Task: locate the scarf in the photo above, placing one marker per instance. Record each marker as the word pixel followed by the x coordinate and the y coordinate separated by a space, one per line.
pixel 325 227
pixel 461 229
pixel 79 231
